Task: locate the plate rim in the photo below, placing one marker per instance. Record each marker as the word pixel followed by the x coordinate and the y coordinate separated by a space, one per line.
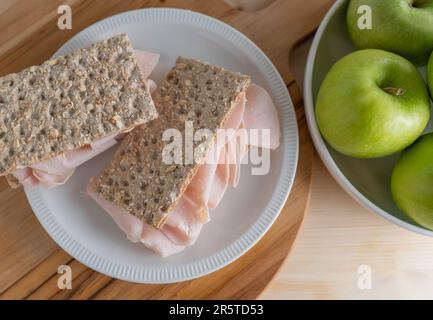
pixel 320 145
pixel 282 187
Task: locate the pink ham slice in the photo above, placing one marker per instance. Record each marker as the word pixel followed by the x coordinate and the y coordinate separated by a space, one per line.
pixel 136 230
pixel 220 181
pixel 147 62
pixel 208 186
pixel 57 170
pixel 26 177
pixel 258 115
pixel 237 149
pixel 182 227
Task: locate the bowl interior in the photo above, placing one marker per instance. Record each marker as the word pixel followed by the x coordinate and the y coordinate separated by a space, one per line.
pixel 371 177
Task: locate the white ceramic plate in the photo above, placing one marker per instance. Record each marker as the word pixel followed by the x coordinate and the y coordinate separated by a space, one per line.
pixel 87 233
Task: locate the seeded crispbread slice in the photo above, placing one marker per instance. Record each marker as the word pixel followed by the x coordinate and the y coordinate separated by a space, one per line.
pixel 71 101
pixel 138 179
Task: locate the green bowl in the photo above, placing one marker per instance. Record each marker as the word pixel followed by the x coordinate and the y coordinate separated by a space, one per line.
pixel 366 180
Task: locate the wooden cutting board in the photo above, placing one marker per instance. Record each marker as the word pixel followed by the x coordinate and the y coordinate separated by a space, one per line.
pixel 29 258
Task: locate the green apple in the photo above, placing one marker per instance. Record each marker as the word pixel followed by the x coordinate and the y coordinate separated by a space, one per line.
pixel 372 103
pixel 430 74
pixel 404 27
pixel 412 181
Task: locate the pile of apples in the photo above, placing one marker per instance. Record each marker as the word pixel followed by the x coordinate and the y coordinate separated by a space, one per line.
pixel 374 102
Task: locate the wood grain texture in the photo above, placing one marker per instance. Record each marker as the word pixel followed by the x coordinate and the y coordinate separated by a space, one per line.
pixel 338 236
pixel 28 268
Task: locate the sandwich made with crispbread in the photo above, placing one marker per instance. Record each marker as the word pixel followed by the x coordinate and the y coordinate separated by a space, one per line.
pixel 57 115
pixel 164 204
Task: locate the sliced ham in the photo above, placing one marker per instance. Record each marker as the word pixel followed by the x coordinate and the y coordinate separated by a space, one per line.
pixel 182 226
pixel 260 115
pixel 220 180
pixel 25 177
pixel 155 240
pixel 220 169
pixel 136 230
pixel 57 170
pixel 128 223
pixel 238 149
pixel 234 121
pixel 200 187
pixel 147 62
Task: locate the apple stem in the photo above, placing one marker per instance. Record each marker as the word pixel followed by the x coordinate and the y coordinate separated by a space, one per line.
pixel 394 91
pixel 418 3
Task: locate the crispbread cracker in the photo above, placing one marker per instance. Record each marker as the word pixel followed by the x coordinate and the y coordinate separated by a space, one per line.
pixel 71 101
pixel 138 179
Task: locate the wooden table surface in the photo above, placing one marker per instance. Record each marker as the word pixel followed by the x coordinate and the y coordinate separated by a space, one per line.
pixel 336 238
pixel 30 258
